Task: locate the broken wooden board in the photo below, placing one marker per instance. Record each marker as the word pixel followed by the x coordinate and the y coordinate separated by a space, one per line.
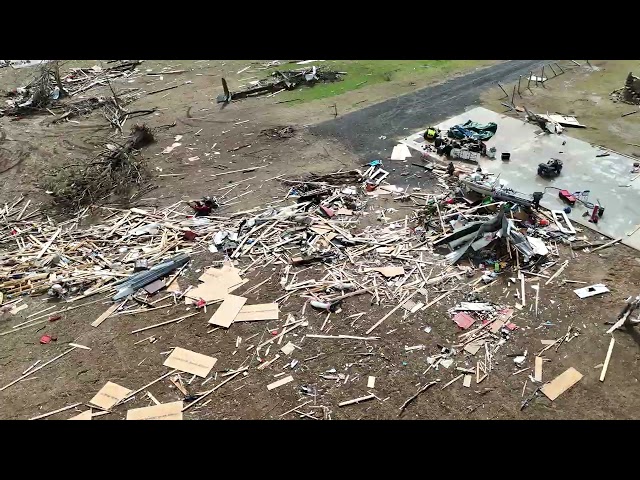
pixel 109 395
pixel 463 320
pixel 164 411
pixel 473 346
pixel 538 369
pixel 18 309
pixel 279 383
pixel 261 311
pixel 466 382
pixel 561 383
pixel 591 290
pixel 288 348
pixel 227 275
pixel 371 382
pixel 388 272
pixel 86 415
pixel 190 362
pixel 106 314
pixel 227 311
pixel 607 359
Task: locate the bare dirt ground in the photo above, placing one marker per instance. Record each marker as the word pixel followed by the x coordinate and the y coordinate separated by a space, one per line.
pixel 207 129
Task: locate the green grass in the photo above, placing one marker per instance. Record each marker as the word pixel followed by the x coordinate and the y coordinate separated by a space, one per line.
pixel 364 73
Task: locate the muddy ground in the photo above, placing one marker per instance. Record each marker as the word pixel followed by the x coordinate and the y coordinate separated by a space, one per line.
pixel 207 129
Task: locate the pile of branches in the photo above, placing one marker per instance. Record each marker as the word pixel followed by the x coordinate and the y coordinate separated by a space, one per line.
pixel 49 92
pixel 44 90
pixel 117 172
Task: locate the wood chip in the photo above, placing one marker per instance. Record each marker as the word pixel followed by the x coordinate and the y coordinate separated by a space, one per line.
pixel 190 362
pixel 227 311
pixel 561 383
pixel 261 311
pixel 279 383
pixel 288 348
pixel 164 411
pixel 109 395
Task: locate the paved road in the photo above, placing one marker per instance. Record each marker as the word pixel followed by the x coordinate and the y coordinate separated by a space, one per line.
pixel 398 117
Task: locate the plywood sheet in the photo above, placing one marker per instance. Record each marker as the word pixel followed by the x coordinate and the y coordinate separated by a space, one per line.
pixel 538 369
pixel 261 311
pixel 190 362
pixel 164 411
pixel 288 348
pixel 279 383
pixel 227 311
pixel 109 395
pixel 561 383
pixel 86 415
pixel 371 382
pixel 474 346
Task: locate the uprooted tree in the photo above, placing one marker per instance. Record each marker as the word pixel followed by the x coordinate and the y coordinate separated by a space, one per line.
pixel 117 173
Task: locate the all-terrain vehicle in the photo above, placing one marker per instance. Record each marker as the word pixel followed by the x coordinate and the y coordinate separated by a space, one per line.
pixel 550 169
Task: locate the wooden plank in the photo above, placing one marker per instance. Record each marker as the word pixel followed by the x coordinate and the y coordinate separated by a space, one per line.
pixel 227 311
pixel 279 383
pixel 109 395
pixel 18 309
pixel 371 382
pixel 164 411
pixel 357 400
pixel 452 381
pixel 106 314
pixel 538 369
pixel 467 381
pixel 68 407
pixel 608 244
pixel 190 362
pixel 377 324
pixel 561 383
pixel 606 360
pixel 165 323
pixel 261 311
pixel 48 244
pixel 86 415
pixel 386 271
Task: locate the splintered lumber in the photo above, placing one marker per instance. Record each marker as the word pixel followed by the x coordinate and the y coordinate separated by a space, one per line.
pixel 357 400
pixel 608 244
pixel 617 325
pixel 561 383
pixel 227 311
pixel 606 360
pixel 68 407
pixel 538 369
pixel 250 169
pixel 377 324
pixel 190 362
pixel 558 272
pixel 48 244
pixel 215 388
pixel 109 395
pixel 295 408
pixel 165 323
pixel 164 411
pixel 388 272
pixel 106 314
pixel 38 368
pixel 279 383
pixel 171 372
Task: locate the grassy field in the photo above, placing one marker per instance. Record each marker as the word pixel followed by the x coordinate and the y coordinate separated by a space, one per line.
pixel 362 74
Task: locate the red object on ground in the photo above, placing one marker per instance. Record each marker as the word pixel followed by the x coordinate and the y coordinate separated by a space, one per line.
pixel 449 201
pixel 511 326
pixel 370 187
pixel 44 339
pixel 328 211
pixel 53 319
pixel 189 235
pixel 201 303
pixel 567 197
pixel 463 320
pixel 544 222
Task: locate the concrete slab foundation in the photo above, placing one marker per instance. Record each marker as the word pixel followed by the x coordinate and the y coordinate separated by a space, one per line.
pixel 607 179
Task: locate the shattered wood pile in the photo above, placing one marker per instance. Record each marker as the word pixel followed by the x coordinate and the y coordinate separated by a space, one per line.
pixel 52 94
pixel 328 263
pixel 280 81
